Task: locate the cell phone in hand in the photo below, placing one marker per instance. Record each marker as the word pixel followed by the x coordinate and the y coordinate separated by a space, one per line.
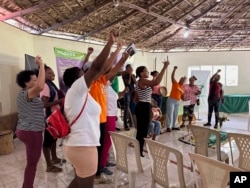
pixel 131 50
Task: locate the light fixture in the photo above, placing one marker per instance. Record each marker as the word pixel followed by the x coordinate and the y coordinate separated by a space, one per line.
pixel 218 1
pixel 186 33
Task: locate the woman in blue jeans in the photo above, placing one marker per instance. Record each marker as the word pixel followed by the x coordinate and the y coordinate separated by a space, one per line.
pixel 31 118
pixel 155 128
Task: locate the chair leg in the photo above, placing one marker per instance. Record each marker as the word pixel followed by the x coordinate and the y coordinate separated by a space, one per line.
pixel 132 178
pixel 116 178
pixel 153 185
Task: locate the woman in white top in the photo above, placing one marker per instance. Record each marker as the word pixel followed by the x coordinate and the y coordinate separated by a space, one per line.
pixel 80 144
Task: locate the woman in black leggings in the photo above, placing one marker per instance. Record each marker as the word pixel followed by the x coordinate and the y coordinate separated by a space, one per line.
pixel 143 107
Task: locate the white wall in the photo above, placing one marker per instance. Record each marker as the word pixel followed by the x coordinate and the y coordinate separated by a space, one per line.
pixel 240 58
pixel 15 43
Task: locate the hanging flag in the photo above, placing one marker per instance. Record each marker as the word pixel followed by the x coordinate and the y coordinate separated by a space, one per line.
pixel 66 59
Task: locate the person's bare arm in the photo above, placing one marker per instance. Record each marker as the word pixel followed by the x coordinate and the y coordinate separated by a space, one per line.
pixel 48 104
pixel 110 61
pixel 212 78
pixel 94 72
pixel 110 76
pixel 38 87
pixel 158 79
pixel 89 52
pixel 173 74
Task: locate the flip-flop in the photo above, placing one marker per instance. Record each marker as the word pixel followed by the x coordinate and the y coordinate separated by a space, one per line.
pixel 53 169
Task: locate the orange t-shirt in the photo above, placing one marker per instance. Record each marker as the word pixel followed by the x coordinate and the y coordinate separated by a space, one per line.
pixel 176 91
pixel 98 92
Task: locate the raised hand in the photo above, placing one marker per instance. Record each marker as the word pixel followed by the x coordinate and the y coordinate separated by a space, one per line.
pixel 175 67
pixel 218 70
pixel 114 34
pixel 38 60
pixel 166 63
pixel 119 45
pixel 125 55
pixel 90 50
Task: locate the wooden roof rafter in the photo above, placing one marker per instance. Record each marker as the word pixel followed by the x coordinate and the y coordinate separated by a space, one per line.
pixel 108 25
pixel 29 10
pixel 73 18
pixel 183 16
pixel 220 42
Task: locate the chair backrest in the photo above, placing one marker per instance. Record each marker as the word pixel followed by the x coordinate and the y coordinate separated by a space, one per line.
pixel 243 144
pixel 201 136
pixel 159 156
pixel 120 145
pixel 213 173
pixel 131 133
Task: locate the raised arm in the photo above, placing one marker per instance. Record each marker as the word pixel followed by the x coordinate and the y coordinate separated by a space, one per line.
pixel 110 76
pixel 110 61
pixel 95 70
pixel 89 52
pixel 38 87
pixel 173 74
pixel 158 79
pixel 212 78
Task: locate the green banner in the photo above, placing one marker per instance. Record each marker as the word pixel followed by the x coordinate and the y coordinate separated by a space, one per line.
pixel 69 54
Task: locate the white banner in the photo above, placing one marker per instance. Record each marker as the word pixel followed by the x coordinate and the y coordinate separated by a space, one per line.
pixel 202 81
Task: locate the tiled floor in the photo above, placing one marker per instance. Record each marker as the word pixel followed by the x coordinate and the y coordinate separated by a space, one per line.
pixel 12 165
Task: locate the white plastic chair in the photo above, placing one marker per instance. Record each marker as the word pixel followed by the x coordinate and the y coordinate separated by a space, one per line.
pixel 214 174
pixel 243 144
pixel 165 173
pixel 201 136
pixel 131 163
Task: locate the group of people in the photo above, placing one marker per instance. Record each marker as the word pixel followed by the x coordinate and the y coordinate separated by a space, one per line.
pixel 88 143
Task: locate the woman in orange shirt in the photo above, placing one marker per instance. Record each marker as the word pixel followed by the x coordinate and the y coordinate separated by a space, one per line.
pixel 173 101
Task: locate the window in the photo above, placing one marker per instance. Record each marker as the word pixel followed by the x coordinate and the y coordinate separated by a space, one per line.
pixel 229 73
pixel 232 78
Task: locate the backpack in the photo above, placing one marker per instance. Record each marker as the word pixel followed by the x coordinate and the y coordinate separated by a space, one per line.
pixel 58 125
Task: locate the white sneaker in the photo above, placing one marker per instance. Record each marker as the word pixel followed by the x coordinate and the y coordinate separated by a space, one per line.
pixel 103 179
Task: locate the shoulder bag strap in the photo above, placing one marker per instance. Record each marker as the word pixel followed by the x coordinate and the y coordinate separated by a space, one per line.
pixel 80 111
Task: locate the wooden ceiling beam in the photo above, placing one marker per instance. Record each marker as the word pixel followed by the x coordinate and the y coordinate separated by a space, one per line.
pixel 239 5
pixel 154 19
pixel 108 25
pixel 166 38
pixel 202 41
pixel 194 8
pixel 160 17
pixel 217 44
pixel 74 18
pixel 244 10
pixel 29 10
pixel 239 43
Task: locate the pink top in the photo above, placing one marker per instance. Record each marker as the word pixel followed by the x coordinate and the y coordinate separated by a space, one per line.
pixel 46 92
pixel 156 89
pixel 189 93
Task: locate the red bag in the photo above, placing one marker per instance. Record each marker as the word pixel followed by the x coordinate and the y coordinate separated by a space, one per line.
pixel 58 125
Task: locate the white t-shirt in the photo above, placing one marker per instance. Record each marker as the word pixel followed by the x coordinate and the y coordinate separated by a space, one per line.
pixel 112 97
pixel 85 131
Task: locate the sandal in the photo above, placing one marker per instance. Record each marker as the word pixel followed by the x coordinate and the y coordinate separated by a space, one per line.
pixel 53 169
pixel 57 161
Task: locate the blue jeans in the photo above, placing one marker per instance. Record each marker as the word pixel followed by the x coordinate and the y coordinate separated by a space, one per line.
pixel 171 112
pixel 156 125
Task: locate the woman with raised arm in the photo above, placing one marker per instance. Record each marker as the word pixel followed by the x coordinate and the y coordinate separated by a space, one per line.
pixel 30 123
pixel 143 107
pixel 80 145
pixel 173 101
pixel 215 96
